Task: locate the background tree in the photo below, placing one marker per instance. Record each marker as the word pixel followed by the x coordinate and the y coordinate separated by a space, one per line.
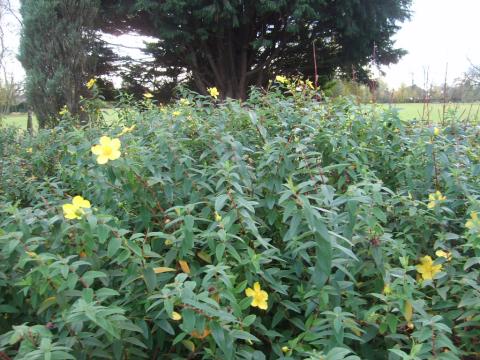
pixel 57 51
pixel 473 75
pixel 233 44
pixel 9 88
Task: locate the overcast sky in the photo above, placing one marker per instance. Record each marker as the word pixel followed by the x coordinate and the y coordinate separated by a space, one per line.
pixel 440 32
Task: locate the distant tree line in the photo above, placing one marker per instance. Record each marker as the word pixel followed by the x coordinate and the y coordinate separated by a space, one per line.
pixel 466 89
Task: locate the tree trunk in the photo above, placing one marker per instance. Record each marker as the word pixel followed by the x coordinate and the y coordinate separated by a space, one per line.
pixel 30 121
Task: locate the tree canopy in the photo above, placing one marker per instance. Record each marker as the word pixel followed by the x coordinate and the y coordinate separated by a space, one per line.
pixel 233 44
pixel 59 50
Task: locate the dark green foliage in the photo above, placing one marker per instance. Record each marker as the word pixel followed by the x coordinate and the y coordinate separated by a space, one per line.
pixel 56 46
pixel 233 44
pixel 325 204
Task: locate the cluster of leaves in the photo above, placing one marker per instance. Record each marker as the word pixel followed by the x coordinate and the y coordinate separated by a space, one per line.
pixel 329 205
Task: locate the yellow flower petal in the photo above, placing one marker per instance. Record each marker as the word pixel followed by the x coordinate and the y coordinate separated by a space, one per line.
pixel 80 202
pixel 91 83
pixel 249 292
pixel 387 290
pixel 96 149
pixel 115 144
pixel 426 268
pixel 105 141
pixel 115 155
pixel 263 305
pixel 70 211
pixel 107 150
pixel 213 91
pixel 101 159
pixel 469 224
pixel 176 316
pixel 445 254
pixel 259 296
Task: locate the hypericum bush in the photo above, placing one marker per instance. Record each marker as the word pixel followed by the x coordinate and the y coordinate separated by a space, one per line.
pixel 280 227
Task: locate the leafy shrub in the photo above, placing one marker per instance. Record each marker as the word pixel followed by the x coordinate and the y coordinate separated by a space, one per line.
pixel 324 213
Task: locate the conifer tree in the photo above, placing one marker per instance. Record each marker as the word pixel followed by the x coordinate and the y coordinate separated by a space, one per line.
pixel 233 44
pixel 55 50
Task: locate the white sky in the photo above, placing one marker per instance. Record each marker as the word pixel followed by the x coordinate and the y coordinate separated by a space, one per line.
pixel 440 32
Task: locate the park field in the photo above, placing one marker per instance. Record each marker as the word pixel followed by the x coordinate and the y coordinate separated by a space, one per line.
pixel 19 120
pixel 407 111
pixel 434 112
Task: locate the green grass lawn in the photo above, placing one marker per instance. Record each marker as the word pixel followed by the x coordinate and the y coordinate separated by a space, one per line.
pixel 17 120
pixel 434 112
pixel 20 119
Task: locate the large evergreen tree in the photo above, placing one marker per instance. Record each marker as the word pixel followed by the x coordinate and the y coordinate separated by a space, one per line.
pixel 57 43
pixel 233 44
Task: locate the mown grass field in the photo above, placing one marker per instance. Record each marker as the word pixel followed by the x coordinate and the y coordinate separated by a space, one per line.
pixel 408 111
pixel 434 112
pixel 20 119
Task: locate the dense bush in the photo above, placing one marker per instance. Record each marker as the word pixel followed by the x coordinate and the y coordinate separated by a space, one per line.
pixel 281 227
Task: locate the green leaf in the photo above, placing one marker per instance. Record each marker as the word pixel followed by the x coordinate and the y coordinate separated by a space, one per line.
pixel 150 279
pixel 220 202
pixel 113 246
pixel 91 275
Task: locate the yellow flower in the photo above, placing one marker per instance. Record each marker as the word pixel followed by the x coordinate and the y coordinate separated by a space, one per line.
pixel 168 242
pixel 31 254
pixel 426 268
pixel 91 83
pixel 281 79
pixel 63 111
pixel 445 254
pixel 176 316
pixel 184 102
pixel 436 131
pixel 259 296
pixel 127 129
pixel 309 84
pixel 218 217
pixel 176 113
pixel 109 149
pixel 30 150
pixel 75 209
pixel 474 222
pixel 435 199
pixel 147 95
pixel 71 212
pixel 80 202
pixel 213 91
pixel 387 290
pixel 285 349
